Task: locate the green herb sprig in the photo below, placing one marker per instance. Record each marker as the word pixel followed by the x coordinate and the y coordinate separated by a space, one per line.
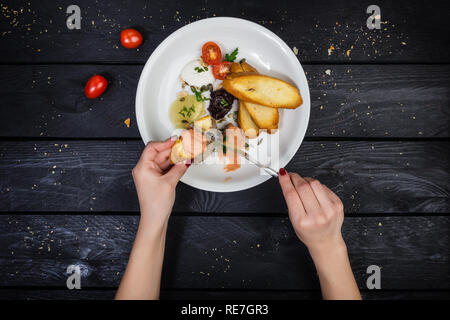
pixel 185 112
pixel 199 70
pixel 232 56
pixel 198 94
pixel 223 102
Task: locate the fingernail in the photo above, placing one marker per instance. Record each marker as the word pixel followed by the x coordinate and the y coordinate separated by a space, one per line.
pixel 187 164
pixel 174 138
pixel 282 171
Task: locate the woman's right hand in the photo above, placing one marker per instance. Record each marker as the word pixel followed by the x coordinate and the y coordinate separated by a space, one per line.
pixel 316 213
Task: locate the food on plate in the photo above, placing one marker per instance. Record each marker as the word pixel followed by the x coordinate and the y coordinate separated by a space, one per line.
pixel 242 66
pixel 131 38
pixel 234 140
pixel 236 67
pixel 222 70
pixel 264 90
pixel 95 86
pixel 197 74
pixel 247 67
pixel 220 103
pixel 185 110
pixel 251 130
pixel 232 56
pixel 204 124
pixel 211 53
pixel 264 117
pixel 199 92
pixel 218 82
pixel 190 144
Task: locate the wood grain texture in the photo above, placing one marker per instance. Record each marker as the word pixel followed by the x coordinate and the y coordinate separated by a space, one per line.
pixel 207 294
pixel 85 176
pixel 220 252
pixel 357 101
pixel 413 31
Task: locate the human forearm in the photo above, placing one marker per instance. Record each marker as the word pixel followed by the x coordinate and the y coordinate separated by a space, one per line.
pixel 142 277
pixel 155 180
pixel 335 273
pixel 317 215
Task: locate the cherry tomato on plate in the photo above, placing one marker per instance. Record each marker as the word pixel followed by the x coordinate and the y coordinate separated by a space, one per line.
pixel 131 38
pixel 95 86
pixel 221 70
pixel 211 53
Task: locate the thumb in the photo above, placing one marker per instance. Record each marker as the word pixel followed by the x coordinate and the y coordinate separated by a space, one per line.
pixel 176 172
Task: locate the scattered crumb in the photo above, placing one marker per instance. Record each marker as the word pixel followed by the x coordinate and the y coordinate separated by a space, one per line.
pixel 328 71
pixel 127 122
pixel 227 179
pixel 330 49
pixel 295 50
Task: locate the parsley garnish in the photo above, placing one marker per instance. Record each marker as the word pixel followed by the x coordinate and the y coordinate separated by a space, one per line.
pixel 203 69
pixel 223 102
pixel 232 56
pixel 187 112
pixel 198 94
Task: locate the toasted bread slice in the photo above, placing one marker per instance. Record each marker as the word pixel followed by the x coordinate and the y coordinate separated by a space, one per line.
pixel 178 154
pixel 261 116
pixel 238 67
pixel 247 67
pixel 246 122
pixel 264 117
pixel 263 90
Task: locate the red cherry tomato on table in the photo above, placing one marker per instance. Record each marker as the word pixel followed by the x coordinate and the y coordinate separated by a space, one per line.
pixel 131 38
pixel 211 53
pixel 221 70
pixel 95 86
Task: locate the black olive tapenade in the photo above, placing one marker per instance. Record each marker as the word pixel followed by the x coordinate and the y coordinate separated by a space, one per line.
pixel 220 103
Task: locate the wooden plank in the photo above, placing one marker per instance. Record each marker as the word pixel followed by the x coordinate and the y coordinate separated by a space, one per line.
pixel 413 31
pixel 250 253
pixel 354 101
pixel 84 176
pixel 205 294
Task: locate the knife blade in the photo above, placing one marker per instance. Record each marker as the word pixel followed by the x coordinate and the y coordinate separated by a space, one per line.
pixel 250 159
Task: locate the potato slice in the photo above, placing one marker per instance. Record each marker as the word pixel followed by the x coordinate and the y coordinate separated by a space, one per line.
pixel 246 122
pixel 263 90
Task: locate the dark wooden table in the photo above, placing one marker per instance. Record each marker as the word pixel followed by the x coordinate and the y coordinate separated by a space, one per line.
pixel 378 136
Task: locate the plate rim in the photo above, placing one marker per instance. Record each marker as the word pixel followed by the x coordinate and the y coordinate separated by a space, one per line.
pixel 139 96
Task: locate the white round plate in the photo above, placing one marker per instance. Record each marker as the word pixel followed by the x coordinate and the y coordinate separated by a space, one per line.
pixel 159 83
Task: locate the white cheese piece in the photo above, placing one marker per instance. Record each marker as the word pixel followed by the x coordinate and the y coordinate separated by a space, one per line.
pixel 193 75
